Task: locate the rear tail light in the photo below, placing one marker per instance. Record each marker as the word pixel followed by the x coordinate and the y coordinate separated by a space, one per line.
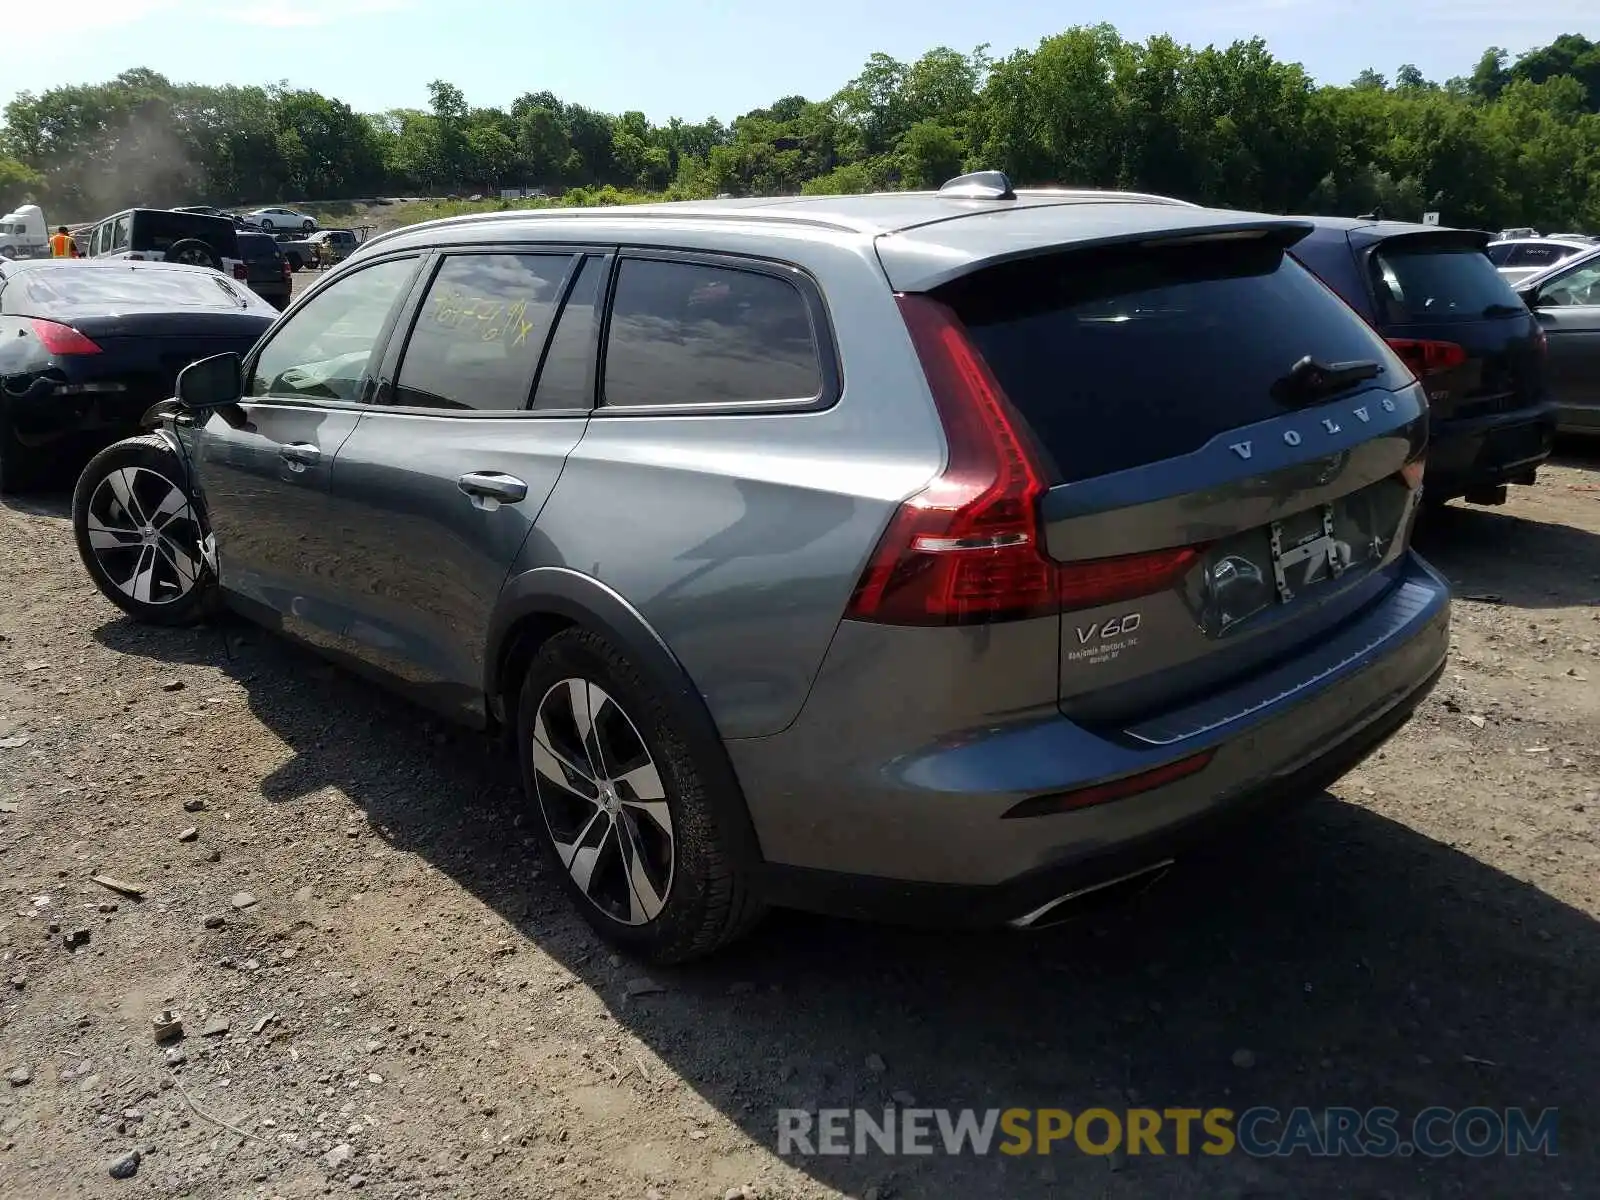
pixel 62 339
pixel 1116 789
pixel 241 272
pixel 967 548
pixel 1426 357
pixel 288 269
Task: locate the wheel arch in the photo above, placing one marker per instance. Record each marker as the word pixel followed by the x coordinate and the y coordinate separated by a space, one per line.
pixel 537 604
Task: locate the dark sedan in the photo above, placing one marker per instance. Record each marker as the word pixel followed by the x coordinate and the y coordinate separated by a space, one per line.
pixel 87 346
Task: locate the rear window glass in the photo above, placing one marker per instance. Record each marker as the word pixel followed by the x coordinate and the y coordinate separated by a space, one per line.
pixel 157 230
pixel 258 246
pixel 1122 357
pixel 142 289
pixel 1420 283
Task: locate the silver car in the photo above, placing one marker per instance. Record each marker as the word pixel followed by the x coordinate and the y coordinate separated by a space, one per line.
pixel 1518 258
pixel 940 556
pixel 1566 300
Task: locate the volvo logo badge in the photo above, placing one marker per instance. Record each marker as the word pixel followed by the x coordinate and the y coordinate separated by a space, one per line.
pixel 1330 426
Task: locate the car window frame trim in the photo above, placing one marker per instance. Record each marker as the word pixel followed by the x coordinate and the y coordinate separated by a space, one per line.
pixel 394 352
pixel 792 273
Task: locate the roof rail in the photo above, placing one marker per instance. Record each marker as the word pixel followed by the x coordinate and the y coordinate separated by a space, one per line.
pixel 980 185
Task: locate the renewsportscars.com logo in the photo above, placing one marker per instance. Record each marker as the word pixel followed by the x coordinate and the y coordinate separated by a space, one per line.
pixel 1260 1132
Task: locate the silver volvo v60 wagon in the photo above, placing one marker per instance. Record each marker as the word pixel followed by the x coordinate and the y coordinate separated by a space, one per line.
pixel 930 556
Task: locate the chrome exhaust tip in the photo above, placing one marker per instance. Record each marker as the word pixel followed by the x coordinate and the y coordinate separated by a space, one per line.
pixel 1061 907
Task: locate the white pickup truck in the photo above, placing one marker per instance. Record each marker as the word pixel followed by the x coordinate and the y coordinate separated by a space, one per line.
pixel 23 234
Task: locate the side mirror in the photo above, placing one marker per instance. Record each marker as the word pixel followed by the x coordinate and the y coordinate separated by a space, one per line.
pixel 211 383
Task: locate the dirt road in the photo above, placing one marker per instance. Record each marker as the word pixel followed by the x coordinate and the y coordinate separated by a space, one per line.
pixel 379 991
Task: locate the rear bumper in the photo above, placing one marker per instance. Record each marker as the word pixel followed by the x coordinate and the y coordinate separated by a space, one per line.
pixel 1483 452
pixel 1578 418
pixel 928 841
pixel 55 413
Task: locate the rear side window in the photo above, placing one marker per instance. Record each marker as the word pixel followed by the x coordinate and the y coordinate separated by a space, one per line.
pixel 689 333
pixel 1121 357
pixel 1499 254
pixel 1423 283
pixel 478 334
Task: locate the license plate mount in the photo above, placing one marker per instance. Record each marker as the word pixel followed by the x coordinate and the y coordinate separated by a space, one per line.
pixel 1305 551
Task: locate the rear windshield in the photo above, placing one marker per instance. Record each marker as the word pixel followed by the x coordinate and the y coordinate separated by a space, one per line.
pixel 253 246
pixel 1421 283
pixel 159 230
pixel 121 287
pixel 1127 356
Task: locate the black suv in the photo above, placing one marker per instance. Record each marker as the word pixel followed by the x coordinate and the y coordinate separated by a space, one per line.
pixel 267 271
pixel 1439 302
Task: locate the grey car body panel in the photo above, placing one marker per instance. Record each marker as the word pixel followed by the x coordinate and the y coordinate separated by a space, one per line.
pixel 719 548
pixel 270 516
pixel 896 769
pixel 421 564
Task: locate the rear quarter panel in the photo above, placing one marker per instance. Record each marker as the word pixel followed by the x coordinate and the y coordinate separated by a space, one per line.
pixel 739 538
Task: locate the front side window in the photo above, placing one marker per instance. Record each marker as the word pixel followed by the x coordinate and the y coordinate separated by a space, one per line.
pixel 479 331
pixel 323 351
pixel 689 333
pixel 1577 287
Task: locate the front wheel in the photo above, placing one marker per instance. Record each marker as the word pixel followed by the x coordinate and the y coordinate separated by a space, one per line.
pixel 622 809
pixel 309 227
pixel 141 534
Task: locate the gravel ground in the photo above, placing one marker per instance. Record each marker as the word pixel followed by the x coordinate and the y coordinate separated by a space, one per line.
pixel 380 993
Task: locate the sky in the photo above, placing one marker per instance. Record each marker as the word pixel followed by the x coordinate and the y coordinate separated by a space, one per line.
pixel 701 58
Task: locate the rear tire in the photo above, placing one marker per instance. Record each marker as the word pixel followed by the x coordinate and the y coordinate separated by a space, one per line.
pixel 621 809
pixel 141 535
pixel 266 225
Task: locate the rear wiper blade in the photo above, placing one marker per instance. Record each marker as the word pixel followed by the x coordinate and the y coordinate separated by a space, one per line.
pixel 1311 380
pixel 1505 310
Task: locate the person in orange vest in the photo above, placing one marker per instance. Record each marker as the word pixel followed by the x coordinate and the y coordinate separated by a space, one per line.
pixel 62 245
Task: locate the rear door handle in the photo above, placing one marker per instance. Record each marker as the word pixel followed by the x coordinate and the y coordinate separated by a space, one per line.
pixel 300 454
pixel 492 485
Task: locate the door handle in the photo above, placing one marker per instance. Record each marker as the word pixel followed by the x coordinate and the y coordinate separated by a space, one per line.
pixel 301 453
pixel 492 485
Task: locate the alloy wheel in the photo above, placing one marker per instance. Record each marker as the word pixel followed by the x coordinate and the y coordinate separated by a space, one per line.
pixel 145 535
pixel 603 802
